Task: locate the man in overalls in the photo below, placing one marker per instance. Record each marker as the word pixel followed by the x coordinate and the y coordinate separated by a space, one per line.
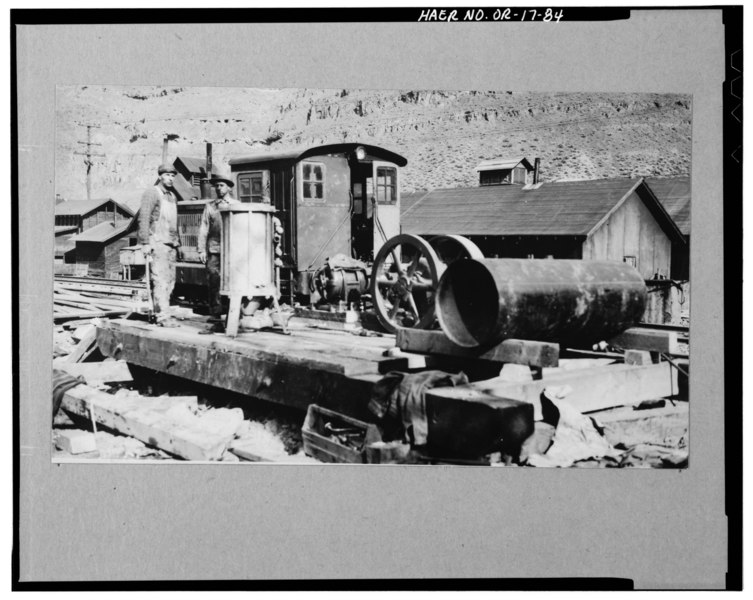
pixel 158 236
pixel 210 247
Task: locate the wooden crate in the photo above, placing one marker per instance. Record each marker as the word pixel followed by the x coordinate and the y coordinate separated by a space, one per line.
pixel 322 444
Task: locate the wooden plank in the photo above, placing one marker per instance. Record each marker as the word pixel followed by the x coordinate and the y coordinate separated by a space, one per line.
pixel 653 340
pixel 109 371
pixel 591 389
pixel 85 346
pixel 90 314
pixel 522 352
pixel 163 422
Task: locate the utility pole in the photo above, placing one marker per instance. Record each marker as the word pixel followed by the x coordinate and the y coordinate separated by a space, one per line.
pixel 89 155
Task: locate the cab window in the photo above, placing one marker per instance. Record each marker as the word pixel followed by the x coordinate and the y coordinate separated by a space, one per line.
pixel 251 187
pixel 386 185
pixel 313 181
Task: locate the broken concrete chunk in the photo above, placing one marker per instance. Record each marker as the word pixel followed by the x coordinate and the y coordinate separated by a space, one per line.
pixel 75 441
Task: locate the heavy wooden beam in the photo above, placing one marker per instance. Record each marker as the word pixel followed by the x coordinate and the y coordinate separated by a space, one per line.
pixel 591 389
pixel 653 340
pixel 166 423
pixel 295 378
pixel 521 352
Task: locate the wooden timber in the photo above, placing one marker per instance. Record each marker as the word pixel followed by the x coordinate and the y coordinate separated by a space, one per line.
pixel 337 369
pixel 653 340
pixel 521 352
pixel 165 422
pixel 592 389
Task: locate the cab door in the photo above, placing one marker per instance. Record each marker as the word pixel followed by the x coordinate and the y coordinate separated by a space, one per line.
pixel 384 196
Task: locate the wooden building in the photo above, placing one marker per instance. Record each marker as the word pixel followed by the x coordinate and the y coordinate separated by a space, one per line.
pixel 187 183
pixel 674 194
pixel 97 250
pixel 608 219
pixel 506 171
pixel 85 214
pixel 65 248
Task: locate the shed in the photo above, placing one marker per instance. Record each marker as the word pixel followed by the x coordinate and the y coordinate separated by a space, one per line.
pixel 187 182
pixel 64 245
pixel 674 194
pixel 504 171
pixel 85 214
pixel 97 250
pixel 608 219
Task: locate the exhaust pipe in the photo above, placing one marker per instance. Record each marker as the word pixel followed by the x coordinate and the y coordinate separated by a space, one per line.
pixel 206 184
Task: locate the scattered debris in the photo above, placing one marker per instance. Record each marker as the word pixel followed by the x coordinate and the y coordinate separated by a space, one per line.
pixel 175 426
pixel 77 298
pixel 107 371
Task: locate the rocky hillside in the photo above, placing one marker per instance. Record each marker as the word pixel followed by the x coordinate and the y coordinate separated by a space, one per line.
pixel 443 134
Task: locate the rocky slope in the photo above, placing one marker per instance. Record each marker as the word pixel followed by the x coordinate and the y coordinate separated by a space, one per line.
pixel 443 134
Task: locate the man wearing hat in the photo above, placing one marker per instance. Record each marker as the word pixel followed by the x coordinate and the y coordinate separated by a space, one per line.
pixel 210 245
pixel 158 235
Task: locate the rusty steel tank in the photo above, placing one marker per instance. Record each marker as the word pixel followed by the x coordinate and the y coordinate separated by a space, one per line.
pixel 576 303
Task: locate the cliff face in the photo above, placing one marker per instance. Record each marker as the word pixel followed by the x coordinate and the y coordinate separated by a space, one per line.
pixel 443 134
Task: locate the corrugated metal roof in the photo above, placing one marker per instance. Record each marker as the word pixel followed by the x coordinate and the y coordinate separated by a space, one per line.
pixel 496 164
pixel 674 194
pixel 555 208
pixel 82 207
pixel 103 232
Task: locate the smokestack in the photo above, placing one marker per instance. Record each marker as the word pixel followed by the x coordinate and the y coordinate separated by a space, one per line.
pixel 206 185
pixel 536 167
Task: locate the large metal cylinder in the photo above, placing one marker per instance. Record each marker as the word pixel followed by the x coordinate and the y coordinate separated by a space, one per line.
pixel 247 250
pixel 573 302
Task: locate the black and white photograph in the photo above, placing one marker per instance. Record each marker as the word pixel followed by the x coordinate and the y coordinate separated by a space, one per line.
pixel 336 299
pixel 372 276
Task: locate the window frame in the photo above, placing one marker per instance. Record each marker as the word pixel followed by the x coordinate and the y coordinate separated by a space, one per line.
pixel 303 182
pixel 393 185
pixel 251 175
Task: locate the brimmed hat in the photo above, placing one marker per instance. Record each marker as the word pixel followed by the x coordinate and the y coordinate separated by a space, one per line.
pixel 166 168
pixel 220 177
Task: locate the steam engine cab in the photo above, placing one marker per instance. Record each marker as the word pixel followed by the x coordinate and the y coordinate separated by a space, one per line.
pixel 333 199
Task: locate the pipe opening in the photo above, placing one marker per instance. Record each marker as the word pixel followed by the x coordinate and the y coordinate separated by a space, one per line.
pixel 467 303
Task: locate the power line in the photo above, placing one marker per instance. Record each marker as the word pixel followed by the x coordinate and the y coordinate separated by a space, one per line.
pixel 89 155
